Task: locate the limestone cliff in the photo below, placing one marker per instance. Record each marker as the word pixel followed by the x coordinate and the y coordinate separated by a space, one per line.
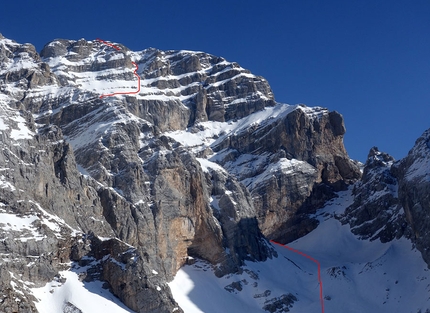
pixel 202 162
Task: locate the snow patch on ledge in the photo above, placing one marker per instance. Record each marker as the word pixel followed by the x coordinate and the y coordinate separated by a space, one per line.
pixel 87 297
pixel 314 112
pixel 286 166
pixel 3 126
pixel 23 132
pixel 208 165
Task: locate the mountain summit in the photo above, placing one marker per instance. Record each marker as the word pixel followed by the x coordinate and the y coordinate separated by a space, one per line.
pixel 107 193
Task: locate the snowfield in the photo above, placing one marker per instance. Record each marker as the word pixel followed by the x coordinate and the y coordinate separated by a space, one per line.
pixel 87 297
pixel 358 275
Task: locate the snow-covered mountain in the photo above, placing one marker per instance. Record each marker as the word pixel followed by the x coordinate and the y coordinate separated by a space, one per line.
pixel 152 181
pixel 357 275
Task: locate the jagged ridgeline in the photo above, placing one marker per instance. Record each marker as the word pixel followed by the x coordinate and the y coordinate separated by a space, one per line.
pixel 202 162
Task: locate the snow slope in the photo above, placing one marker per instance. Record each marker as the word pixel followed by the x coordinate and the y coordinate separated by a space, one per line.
pixel 212 133
pixel 88 297
pixel 358 275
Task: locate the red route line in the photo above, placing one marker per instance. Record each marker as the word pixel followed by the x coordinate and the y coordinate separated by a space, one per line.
pixel 135 73
pixel 109 44
pixel 313 260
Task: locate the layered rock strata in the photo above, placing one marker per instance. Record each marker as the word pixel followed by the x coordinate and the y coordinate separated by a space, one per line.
pixel 202 162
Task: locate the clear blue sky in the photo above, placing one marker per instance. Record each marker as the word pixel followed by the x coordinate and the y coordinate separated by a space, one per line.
pixel 367 59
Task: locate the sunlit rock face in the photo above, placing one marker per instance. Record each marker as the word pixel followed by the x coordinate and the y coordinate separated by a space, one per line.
pixel 201 162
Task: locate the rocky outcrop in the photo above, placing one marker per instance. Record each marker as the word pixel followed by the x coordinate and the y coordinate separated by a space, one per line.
pixel 391 200
pixel 294 163
pixel 233 208
pixel 127 272
pixel 376 212
pixel 413 173
pixel 306 134
pixel 280 304
pixel 28 72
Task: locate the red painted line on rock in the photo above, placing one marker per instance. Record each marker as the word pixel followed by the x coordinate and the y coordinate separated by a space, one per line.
pixel 109 44
pixel 135 73
pixel 313 260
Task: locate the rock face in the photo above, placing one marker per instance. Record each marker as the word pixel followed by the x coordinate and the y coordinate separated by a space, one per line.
pixel 376 211
pixel 413 174
pixel 291 164
pixel 201 162
pixel 391 200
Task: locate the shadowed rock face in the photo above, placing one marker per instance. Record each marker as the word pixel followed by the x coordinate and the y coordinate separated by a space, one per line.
pixel 376 212
pixel 413 175
pixel 391 200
